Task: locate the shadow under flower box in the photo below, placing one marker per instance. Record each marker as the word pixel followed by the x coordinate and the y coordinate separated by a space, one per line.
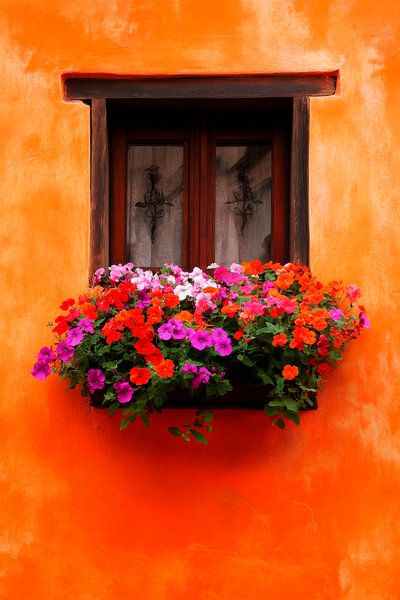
pixel 250 396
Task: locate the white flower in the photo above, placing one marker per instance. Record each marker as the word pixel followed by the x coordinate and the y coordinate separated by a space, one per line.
pixel 183 291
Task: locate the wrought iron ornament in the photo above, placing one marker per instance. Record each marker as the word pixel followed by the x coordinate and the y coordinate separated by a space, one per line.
pixel 244 197
pixel 154 201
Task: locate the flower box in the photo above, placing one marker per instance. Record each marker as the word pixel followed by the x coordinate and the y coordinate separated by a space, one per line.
pixel 258 336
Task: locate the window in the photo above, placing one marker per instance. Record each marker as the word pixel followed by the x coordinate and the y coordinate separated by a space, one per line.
pixel 199 185
pixel 199 169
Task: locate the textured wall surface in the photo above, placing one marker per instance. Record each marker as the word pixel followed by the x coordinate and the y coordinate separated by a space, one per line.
pixel 92 513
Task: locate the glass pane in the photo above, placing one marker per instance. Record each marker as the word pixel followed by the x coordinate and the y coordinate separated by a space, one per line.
pixel 243 203
pixel 155 205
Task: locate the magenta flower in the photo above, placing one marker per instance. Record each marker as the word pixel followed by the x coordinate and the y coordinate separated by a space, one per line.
pixel 267 285
pixel 223 274
pixel 223 347
pixel 41 370
pixel 365 322
pixel 203 377
pixel 124 391
pixel 336 313
pixel 96 379
pixel 200 339
pixel 218 334
pixel 178 330
pixel 166 331
pixel 98 275
pixel 85 325
pixel 74 336
pixel 65 351
pixel 189 368
pixel 46 354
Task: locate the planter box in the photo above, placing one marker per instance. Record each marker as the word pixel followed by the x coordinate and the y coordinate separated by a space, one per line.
pixel 250 396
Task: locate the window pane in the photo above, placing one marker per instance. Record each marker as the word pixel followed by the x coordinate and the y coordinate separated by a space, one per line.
pixel 243 203
pixel 154 205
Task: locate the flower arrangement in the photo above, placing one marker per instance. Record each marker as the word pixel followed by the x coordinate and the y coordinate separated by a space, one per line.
pixel 135 336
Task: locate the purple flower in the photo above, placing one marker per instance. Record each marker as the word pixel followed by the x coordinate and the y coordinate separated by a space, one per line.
pixel 189 368
pixel 200 339
pixel 96 379
pixel 365 322
pixel 46 354
pixel 218 334
pixel 124 391
pixel 178 330
pixel 41 370
pixel 166 331
pixel 97 276
pixel 336 314
pixel 144 299
pixel 65 351
pixel 85 325
pixel 205 374
pixel 203 377
pixel 223 347
pixel 74 336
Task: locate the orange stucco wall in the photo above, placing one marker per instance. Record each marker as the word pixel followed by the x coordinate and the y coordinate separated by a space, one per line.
pixel 91 513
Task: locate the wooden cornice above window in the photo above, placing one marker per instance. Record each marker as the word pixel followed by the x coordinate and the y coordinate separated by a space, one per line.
pixel 84 87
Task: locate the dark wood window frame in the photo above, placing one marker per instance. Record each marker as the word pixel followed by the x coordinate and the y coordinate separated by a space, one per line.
pixel 99 92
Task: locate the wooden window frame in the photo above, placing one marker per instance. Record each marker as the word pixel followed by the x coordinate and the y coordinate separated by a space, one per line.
pixel 99 91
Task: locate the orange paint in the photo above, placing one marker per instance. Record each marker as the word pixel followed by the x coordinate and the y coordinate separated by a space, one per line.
pixel 89 512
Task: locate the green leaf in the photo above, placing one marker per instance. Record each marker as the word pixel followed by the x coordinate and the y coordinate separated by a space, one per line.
pixel 293 417
pixel 209 427
pixel 145 419
pixel 175 431
pixel 264 377
pixel 245 360
pixel 276 403
pixel 281 424
pixel 125 422
pixel 280 384
pixel 208 417
pixel 113 408
pixel 291 405
pixel 112 364
pixel 198 436
pixel 269 410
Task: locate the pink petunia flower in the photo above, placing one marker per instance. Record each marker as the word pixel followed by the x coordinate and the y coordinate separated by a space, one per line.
pixel 41 370
pixel 85 325
pixel 74 336
pixel 96 379
pixel 200 339
pixel 165 331
pixel 223 347
pixel 124 391
pixel 46 354
pixel 65 351
pixel 336 313
pixel 218 334
pixel 365 322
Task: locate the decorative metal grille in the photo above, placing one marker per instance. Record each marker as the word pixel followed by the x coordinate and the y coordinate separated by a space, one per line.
pixel 244 197
pixel 154 201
